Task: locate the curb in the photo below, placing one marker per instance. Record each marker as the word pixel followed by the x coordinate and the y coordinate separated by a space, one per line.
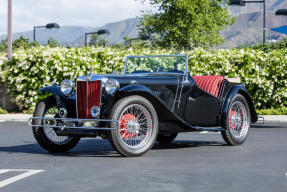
pixel 261 118
pixel 272 118
pixel 14 117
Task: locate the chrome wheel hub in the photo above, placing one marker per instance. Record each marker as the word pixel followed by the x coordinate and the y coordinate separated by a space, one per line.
pixel 236 120
pixel 133 126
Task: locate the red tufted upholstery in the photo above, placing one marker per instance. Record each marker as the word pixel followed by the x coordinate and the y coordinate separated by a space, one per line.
pixel 210 83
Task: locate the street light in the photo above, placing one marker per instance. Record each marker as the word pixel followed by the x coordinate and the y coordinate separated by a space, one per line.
pixel 282 29
pixel 281 12
pixel 242 3
pixel 48 26
pixel 99 32
pixel 237 2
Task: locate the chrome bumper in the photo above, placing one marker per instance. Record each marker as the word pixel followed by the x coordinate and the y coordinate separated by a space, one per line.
pixel 69 120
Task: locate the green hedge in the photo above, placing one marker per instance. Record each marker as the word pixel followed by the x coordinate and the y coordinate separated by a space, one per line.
pixel 2 111
pixel 267 47
pixel 263 73
pixel 272 111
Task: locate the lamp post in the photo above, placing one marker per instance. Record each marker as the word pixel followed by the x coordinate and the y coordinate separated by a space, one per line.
pixel 99 32
pixel 9 31
pixel 242 3
pixel 48 26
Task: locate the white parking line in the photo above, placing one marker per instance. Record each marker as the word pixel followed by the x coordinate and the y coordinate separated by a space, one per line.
pixel 2 120
pixel 27 173
pixel 4 171
pixel 286 174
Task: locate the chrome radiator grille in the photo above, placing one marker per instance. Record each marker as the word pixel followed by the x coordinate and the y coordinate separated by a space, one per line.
pixel 88 95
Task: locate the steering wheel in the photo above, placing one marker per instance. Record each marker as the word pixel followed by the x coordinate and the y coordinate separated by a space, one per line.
pixel 175 71
pixel 140 71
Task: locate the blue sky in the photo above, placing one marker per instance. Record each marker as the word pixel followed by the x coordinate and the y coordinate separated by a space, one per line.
pixel 95 13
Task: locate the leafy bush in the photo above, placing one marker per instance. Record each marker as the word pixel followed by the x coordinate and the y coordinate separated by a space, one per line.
pixel 263 73
pixel 20 43
pixel 272 111
pixel 282 44
pixel 2 111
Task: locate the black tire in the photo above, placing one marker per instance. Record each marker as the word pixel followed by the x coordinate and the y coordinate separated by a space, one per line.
pixel 166 138
pixel 237 127
pixel 40 132
pixel 119 112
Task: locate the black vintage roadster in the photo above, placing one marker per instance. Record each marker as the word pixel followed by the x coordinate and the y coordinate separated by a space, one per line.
pixel 153 100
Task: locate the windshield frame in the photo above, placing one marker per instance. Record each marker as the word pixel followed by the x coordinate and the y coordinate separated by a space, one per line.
pixel 144 56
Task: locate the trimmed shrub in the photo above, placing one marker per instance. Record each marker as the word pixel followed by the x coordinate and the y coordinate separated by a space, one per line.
pixel 267 47
pixel 2 111
pixel 272 111
pixel 263 73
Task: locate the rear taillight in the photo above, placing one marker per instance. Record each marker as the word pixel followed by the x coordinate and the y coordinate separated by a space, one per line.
pixel 88 95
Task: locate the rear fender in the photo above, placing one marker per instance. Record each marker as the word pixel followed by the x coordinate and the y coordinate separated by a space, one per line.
pixel 238 89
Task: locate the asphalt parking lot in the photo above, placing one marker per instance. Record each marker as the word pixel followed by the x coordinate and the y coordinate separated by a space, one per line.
pixel 193 162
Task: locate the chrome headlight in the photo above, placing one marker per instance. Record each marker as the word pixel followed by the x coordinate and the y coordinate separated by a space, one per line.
pixel 112 86
pixel 67 87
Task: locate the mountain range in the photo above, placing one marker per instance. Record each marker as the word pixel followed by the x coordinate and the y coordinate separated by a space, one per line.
pixel 75 35
pixel 246 31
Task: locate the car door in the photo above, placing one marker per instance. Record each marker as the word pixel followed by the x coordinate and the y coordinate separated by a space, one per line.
pixel 199 107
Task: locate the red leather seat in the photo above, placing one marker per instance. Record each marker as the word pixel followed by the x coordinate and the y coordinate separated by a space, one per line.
pixel 210 83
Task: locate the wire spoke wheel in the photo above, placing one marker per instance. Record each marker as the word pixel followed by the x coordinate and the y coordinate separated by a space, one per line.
pixel 238 119
pixel 237 122
pixel 46 136
pixel 49 131
pixel 135 126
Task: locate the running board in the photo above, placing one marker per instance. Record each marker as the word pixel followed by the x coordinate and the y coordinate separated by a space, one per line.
pixel 211 129
pixel 77 132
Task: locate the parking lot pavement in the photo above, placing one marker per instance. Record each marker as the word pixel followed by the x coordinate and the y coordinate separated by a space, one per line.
pixel 193 162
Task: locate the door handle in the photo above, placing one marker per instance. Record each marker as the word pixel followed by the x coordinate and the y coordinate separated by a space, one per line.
pixel 191 99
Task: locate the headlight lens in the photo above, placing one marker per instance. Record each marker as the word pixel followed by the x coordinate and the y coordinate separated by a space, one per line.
pixel 112 86
pixel 95 111
pixel 67 86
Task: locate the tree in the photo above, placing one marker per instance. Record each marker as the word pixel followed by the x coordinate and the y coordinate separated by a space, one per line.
pixel 183 24
pixel 3 45
pixel 21 42
pixel 53 42
pixel 97 40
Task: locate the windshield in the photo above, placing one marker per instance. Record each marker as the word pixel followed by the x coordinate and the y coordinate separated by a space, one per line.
pixel 157 64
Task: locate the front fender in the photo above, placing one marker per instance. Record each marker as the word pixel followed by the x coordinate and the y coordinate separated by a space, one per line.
pixel 163 112
pixel 238 89
pixel 55 90
pixel 140 89
pixel 60 98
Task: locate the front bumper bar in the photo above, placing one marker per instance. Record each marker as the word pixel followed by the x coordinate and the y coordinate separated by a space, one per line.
pixel 67 121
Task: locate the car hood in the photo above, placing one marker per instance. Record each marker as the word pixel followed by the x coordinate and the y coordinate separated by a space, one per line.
pixel 132 75
pixel 140 78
